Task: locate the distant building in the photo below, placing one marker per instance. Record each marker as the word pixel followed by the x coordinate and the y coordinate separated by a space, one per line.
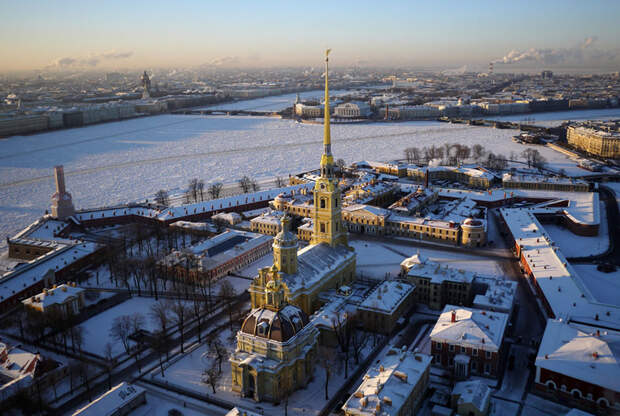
pixel 546 74
pixel 353 110
pixel 469 341
pixel 597 138
pixel 394 385
pixel 267 223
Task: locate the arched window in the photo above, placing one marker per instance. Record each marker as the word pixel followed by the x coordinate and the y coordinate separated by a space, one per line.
pixel 602 402
pixel 576 393
pixel 322 202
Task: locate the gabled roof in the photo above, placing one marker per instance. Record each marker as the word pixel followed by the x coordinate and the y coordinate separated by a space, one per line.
pixel 580 352
pixel 473 328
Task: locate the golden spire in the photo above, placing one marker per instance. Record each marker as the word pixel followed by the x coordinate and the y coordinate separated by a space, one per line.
pixel 327 158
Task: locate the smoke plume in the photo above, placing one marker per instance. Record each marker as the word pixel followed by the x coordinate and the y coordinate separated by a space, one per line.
pixel 89 61
pixel 586 51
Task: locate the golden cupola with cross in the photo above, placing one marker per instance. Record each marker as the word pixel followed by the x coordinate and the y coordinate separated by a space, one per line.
pixel 328 226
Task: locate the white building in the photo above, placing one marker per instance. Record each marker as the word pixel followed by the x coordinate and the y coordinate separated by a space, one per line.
pixel 353 109
pixel 394 385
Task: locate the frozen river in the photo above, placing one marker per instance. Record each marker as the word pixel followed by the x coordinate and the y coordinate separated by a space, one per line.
pixel 125 161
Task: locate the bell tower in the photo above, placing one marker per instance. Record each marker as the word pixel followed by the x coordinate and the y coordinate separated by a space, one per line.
pixel 285 245
pixel 328 226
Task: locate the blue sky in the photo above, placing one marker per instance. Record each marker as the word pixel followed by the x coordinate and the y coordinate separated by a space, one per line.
pixel 266 33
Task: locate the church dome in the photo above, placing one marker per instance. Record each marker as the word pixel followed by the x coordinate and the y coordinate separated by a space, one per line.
pixel 472 222
pixel 285 238
pixel 279 325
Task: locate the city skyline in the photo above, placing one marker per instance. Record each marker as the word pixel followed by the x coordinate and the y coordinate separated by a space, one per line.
pixel 569 36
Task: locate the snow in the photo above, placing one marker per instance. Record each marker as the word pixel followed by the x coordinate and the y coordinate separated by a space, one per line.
pixel 387 296
pixel 581 352
pixel 97 329
pixel 605 287
pixel 274 102
pixel 375 259
pixel 573 245
pixel 112 400
pixel 472 328
pixel 112 163
pixel 555 118
pixel 389 383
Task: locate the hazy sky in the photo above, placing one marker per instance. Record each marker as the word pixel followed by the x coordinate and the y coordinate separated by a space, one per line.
pixel 135 34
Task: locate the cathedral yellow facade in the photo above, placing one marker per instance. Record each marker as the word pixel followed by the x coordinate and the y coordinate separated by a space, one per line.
pixel 328 262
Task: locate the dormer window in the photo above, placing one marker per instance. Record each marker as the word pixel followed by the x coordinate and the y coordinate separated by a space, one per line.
pixel 262 328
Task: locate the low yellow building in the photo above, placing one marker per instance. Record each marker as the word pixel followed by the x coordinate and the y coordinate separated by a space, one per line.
pixel 65 300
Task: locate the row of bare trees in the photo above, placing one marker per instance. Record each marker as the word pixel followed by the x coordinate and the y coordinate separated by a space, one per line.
pixel 453 154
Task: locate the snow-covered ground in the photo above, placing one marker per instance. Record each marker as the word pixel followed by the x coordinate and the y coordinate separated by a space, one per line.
pixel 375 259
pixel 97 329
pixel 555 118
pixel 603 286
pixel 573 245
pixel 125 161
pixel 273 103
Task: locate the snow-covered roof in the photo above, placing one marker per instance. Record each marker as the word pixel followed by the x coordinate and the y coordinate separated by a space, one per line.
pixel 499 296
pixel 387 296
pixel 381 212
pixel 314 262
pixel 583 352
pixel 472 327
pixel 420 267
pixel 197 226
pixel 388 383
pixel 114 399
pixel 561 285
pixel 18 362
pixel 529 178
pixel 33 272
pixel 474 392
pixel 54 295
pixel 230 202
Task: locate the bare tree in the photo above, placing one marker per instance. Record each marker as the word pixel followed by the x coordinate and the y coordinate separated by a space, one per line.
pixel 359 339
pixel 211 376
pixel 162 198
pixel 198 308
pixel 215 190
pixel 245 183
pixel 159 315
pixel 77 338
pixel 279 182
pixel 121 330
pixel 343 328
pixel 108 354
pixel 192 189
pixel 478 151
pixel 137 324
pixel 227 293
pixel 326 361
pixel 341 164
pixel 200 189
pixel 180 312
pixel 255 186
pixel 218 349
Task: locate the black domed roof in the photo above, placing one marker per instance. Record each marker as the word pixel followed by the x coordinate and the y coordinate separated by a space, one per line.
pixel 279 325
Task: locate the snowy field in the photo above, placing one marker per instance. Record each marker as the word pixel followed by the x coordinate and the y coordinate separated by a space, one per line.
pixel 603 286
pixel 573 245
pixel 125 161
pixel 555 118
pixel 97 329
pixel 375 259
pixel 273 103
